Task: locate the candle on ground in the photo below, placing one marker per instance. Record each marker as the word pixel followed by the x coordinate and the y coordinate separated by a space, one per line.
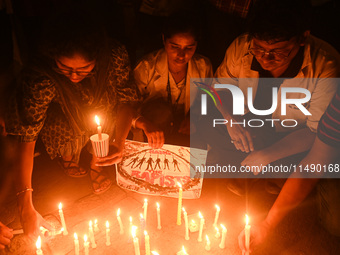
pixel 158 217
pixel 38 245
pixel 224 235
pixel 76 244
pixel 62 219
pixel 217 235
pixel 108 242
pixel 93 241
pixel 121 227
pixel 96 229
pixel 186 224
pixel 147 243
pixel 216 215
pixel 86 245
pixel 99 128
pixel 199 239
pixel 247 234
pixel 145 207
pixel 182 252
pixel 207 244
pixel 135 240
pixel 142 222
pixel 179 207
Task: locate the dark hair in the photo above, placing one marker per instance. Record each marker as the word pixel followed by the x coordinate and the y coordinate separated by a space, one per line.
pixel 279 20
pixel 181 23
pixel 74 31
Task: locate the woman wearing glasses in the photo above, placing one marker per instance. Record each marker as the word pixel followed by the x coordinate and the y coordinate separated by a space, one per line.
pixel 78 75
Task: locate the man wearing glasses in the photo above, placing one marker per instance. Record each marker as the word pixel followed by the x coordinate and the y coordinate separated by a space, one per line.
pixel 279 46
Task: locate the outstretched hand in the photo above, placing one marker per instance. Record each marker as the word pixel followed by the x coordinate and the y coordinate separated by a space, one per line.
pixel 241 138
pixel 155 135
pixel 31 222
pixel 5 236
pixel 258 234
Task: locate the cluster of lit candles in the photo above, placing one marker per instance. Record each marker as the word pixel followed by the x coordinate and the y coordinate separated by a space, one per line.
pixel 192 227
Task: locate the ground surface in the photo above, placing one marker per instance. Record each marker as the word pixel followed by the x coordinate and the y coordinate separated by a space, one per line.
pixel 299 233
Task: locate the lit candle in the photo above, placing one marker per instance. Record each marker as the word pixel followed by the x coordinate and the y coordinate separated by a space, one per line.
pixel 224 235
pixel 199 239
pixel 93 242
pixel 154 253
pixel 38 245
pixel 216 215
pixel 96 229
pixel 247 234
pixel 179 207
pixel 158 217
pixel 86 245
pixel 142 222
pixel 108 242
pixel 207 245
pixel 121 231
pixel 63 224
pixel 145 207
pixel 76 244
pixel 147 243
pixel 217 235
pixel 182 252
pixel 99 127
pixel 186 224
pixel 135 240
pixel 193 226
pixel 130 219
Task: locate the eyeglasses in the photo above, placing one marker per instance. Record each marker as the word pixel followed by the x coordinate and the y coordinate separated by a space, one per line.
pixel 70 72
pixel 260 52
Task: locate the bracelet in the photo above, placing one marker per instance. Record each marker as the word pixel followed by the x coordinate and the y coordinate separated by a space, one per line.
pixel 134 120
pixel 23 191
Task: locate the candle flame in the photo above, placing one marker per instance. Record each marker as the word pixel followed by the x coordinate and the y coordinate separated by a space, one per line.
pixel 247 220
pixel 145 232
pixel 38 243
pixel 217 208
pixel 145 201
pixel 60 206
pixel 95 221
pixel 223 227
pixel 141 216
pixel 130 219
pixel 133 231
pixel 157 205
pixel 90 224
pixel 193 221
pixel 217 229
pixel 154 253
pixel 118 212
pixel 183 209
pixel 61 230
pixel 107 224
pixel 97 120
pixel 179 185
pixel 183 249
pixel 85 238
pixel 75 236
pixel 207 237
pixel 200 215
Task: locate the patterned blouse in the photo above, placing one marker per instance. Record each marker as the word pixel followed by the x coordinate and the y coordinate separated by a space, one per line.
pixel 29 108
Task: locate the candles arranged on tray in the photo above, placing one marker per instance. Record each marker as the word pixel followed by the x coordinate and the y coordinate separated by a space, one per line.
pixel 62 219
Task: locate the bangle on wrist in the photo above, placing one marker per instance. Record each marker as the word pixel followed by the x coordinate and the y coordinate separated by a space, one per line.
pixel 134 120
pixel 24 190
